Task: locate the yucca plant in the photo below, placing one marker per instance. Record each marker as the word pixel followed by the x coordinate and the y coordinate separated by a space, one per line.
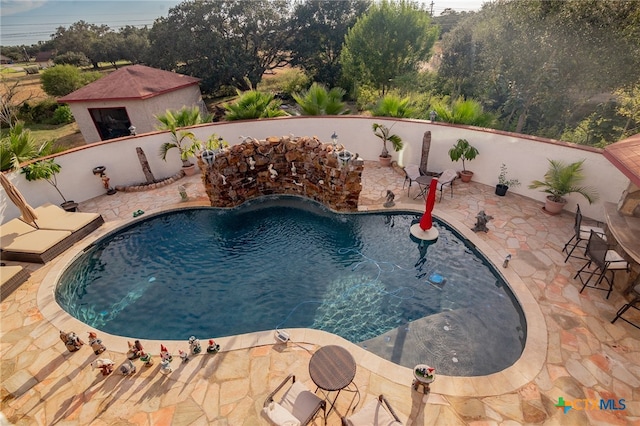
pixel 181 139
pixel 252 105
pixel 317 100
pixel 562 179
pixel 393 106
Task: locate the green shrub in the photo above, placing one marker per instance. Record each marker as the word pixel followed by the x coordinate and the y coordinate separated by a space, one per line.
pixel 77 59
pixel 62 115
pixel 41 113
pixel 61 80
pixel 285 83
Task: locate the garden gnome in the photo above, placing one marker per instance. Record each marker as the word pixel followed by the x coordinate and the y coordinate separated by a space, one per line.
pixel 183 355
pixel 71 341
pixel 481 222
pixel 104 364
pixel 96 344
pixel 212 348
pixel 127 368
pixel 132 353
pixel 164 354
pixel 194 343
pixel 165 366
pixel 144 357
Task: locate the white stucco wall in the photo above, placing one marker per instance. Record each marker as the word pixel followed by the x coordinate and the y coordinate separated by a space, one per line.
pixel 141 112
pixel 525 157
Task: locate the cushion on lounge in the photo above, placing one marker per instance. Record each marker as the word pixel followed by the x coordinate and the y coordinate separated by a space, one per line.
pixel 8 272
pixel 300 401
pixel 51 216
pixel 17 236
pixel 279 415
pixel 374 413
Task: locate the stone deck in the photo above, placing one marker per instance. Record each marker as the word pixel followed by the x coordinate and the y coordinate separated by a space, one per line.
pixel 575 352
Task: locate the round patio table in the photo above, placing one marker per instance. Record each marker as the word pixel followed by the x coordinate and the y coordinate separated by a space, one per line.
pixel 332 368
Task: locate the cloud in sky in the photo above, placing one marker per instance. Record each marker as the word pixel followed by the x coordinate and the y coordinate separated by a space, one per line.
pixel 11 7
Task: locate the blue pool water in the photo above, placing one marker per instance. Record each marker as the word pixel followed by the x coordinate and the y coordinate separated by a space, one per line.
pixel 285 262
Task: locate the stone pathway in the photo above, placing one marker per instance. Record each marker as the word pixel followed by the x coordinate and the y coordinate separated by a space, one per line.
pixel 587 358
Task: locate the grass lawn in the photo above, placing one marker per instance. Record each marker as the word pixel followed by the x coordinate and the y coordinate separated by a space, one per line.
pixel 67 136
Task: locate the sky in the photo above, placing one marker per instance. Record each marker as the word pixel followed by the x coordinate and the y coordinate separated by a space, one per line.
pixel 30 21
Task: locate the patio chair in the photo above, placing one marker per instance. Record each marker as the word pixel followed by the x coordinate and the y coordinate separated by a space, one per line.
pixel 580 236
pixel 634 303
pixel 298 405
pixel 411 173
pixel 22 242
pixel 11 277
pixel 378 412
pixel 605 260
pixel 445 180
pixel 80 224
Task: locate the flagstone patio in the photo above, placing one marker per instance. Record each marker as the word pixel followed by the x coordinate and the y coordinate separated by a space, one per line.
pixel 582 355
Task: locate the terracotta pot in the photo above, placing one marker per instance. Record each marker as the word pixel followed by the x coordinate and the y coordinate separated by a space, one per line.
pixel 554 207
pixel 385 161
pixel 501 190
pixel 189 171
pixel 466 175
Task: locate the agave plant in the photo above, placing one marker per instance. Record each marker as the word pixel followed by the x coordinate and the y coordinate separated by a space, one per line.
pixel 252 105
pixel 317 100
pixel 181 139
pixel 562 179
pixel 393 106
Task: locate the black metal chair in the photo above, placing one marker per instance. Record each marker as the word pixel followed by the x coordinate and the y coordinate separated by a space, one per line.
pixel 411 173
pixel 376 413
pixel 580 236
pixel 634 303
pixel 604 260
pixel 298 404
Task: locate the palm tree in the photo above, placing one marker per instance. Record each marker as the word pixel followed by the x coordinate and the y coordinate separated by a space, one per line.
pixel 462 111
pixel 181 139
pixel 320 101
pixel 393 106
pixel 252 105
pixel 562 179
pixel 20 146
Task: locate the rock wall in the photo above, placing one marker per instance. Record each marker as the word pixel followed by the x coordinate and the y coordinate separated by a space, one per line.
pixel 302 166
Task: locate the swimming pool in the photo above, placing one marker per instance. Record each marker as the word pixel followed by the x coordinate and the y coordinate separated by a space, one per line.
pixel 287 262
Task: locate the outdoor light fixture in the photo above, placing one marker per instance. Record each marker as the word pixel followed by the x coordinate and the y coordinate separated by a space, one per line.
pixel 432 115
pixel 209 156
pixel 334 141
pixel 132 130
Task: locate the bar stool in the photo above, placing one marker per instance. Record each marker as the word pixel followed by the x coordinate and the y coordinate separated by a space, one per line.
pixel 605 260
pixel 581 233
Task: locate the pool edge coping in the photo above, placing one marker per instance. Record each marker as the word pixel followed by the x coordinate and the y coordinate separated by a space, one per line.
pixel 520 373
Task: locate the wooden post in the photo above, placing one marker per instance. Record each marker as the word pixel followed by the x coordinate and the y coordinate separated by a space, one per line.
pixel 426 146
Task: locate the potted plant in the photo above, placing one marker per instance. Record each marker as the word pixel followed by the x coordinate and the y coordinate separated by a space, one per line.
pixel 562 179
pixel 384 133
pixel 47 170
pixel 504 183
pixel 181 139
pixel 215 143
pixel 463 150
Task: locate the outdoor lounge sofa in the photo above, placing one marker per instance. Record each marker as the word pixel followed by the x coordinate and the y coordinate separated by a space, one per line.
pixel 10 279
pixel 57 231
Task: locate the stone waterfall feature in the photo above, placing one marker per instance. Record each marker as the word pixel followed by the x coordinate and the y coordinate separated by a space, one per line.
pixel 281 165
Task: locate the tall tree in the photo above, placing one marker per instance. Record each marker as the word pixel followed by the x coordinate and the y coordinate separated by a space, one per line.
pixel 225 43
pixel 319 30
pixel 79 37
pixel 391 39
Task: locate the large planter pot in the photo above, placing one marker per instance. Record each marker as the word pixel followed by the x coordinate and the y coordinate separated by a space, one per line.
pixel 190 170
pixel 554 207
pixel 501 190
pixel 385 161
pixel 466 175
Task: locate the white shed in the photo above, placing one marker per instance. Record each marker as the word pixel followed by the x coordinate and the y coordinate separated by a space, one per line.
pixel 130 96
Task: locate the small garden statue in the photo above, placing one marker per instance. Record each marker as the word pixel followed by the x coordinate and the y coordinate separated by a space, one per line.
pixel 213 347
pixel 133 352
pixel 164 354
pixel 194 344
pixel 272 171
pixel 127 368
pixel 481 222
pixel 104 364
pixel 390 197
pixel 165 366
pixel 96 344
pixel 183 355
pixel 146 359
pixel 71 341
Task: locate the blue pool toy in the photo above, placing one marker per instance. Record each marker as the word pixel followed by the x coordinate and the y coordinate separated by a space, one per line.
pixel 437 280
